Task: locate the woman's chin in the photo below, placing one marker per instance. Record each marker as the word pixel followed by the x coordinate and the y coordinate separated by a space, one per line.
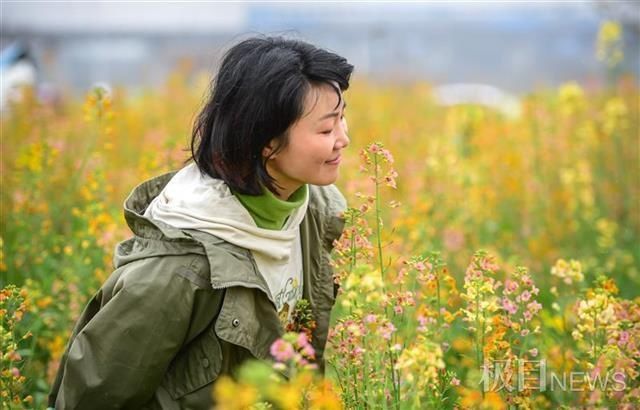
pixel 327 179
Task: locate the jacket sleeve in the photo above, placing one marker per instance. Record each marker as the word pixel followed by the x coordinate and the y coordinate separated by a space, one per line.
pixel 119 356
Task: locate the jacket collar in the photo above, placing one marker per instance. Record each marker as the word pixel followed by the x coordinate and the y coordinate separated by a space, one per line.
pixel 325 206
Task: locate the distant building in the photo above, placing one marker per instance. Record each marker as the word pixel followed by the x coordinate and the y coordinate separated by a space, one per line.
pixel 510 46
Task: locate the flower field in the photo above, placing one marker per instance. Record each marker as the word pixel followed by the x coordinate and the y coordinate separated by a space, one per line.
pixel 487 262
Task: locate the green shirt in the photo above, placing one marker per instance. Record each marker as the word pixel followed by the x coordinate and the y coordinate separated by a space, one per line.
pixel 269 211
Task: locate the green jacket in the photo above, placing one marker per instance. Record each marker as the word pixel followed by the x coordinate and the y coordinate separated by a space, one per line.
pixel 183 307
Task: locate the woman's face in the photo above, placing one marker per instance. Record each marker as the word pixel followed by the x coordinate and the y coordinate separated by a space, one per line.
pixel 316 140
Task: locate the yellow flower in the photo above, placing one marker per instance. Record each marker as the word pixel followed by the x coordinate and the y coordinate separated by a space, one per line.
pixel 462 344
pixel 229 395
pixel 571 98
pixel 287 396
pixel 569 272
pixel 324 397
pixel 419 363
pixel 56 346
pixel 608 45
pixel 616 115
pixel 44 302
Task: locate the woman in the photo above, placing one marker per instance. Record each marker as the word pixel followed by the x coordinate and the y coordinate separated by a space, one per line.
pixel 226 247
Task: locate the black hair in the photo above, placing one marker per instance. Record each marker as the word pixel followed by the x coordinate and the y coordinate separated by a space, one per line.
pixel 257 94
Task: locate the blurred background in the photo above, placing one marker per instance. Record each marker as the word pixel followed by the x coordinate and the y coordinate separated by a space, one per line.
pixel 514 46
pixel 514 128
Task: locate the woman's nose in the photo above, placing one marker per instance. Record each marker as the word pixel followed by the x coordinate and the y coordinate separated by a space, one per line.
pixel 343 137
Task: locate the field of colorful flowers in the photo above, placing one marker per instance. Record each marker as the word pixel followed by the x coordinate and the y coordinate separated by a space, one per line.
pixel 487 262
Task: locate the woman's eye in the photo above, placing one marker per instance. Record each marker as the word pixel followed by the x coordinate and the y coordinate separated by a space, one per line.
pixel 327 132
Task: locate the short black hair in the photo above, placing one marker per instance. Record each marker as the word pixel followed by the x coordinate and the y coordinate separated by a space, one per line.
pixel 257 94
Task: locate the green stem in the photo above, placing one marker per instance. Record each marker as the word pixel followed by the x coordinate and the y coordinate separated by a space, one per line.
pixel 395 378
pixel 480 336
pixel 438 301
pixel 365 390
pixel 478 329
pixel 355 385
pixel 340 382
pixel 563 346
pixel 354 249
pixel 594 340
pixel 377 204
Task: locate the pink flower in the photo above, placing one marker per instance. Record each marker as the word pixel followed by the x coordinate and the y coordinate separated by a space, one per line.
pixel 527 315
pixel 422 323
pixel 402 273
pixel 453 239
pixel 387 330
pixel 534 307
pixel 426 277
pixel 15 356
pixel 533 352
pixel 308 351
pixel 370 318
pixel 525 296
pixel 488 264
pixel 303 340
pixel 624 338
pixel 455 381
pixel 509 306
pixel 510 286
pixel 398 309
pixel 282 351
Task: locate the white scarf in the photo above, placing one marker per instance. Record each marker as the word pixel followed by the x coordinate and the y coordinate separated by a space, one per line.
pixel 193 200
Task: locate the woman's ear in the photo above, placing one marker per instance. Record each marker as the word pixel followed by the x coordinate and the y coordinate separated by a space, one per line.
pixel 269 149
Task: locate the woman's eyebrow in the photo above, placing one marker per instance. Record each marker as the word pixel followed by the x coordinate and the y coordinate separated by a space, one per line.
pixel 332 114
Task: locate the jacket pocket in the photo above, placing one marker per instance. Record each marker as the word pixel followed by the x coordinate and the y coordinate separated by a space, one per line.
pixel 197 365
